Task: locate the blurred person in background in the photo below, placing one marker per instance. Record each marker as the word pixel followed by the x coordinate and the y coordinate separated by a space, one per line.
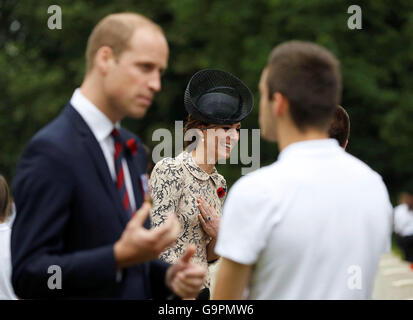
pixel 403 224
pixel 6 221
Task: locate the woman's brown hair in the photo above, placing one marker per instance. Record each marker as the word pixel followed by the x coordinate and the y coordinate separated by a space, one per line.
pixel 192 123
pixel 5 199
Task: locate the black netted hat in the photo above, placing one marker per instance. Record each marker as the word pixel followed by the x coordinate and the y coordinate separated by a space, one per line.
pixel 215 96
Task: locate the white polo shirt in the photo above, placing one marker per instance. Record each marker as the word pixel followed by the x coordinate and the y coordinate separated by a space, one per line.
pixel 314 224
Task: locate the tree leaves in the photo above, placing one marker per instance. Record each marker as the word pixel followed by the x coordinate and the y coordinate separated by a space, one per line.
pixel 40 68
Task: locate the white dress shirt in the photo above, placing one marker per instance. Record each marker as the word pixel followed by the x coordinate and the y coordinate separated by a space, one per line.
pixel 313 224
pixel 102 127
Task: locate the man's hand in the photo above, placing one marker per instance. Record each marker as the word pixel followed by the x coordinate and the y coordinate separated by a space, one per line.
pixel 138 244
pixel 184 278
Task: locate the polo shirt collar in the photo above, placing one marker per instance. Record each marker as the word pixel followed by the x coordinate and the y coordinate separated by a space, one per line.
pixel 309 147
pixel 196 171
pixel 97 121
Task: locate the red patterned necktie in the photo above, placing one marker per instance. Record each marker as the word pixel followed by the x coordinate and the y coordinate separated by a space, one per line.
pixel 120 176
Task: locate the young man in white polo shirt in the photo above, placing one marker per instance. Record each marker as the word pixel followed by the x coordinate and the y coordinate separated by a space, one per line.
pixel 313 224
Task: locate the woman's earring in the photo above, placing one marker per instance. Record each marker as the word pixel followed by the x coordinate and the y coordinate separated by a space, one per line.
pixel 202 139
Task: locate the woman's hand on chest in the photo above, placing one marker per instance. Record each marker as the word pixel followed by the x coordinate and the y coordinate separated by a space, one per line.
pixel 208 217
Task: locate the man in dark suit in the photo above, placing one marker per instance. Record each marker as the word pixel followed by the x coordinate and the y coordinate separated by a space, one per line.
pixel 81 178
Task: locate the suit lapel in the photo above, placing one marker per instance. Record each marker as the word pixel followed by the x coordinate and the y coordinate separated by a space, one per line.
pixel 95 152
pixel 136 169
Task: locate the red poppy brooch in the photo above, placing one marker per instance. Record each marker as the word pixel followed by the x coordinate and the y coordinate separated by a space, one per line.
pixel 132 146
pixel 221 192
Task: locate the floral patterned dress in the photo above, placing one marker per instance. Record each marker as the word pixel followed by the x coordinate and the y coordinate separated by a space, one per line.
pixel 176 185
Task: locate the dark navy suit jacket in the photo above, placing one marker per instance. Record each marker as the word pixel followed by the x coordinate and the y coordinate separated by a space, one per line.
pixel 69 214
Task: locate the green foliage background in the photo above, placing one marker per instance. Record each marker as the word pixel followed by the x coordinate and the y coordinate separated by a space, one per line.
pixel 40 68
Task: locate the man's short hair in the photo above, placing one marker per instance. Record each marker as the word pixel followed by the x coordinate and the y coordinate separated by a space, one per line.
pixel 340 126
pixel 115 31
pixel 308 76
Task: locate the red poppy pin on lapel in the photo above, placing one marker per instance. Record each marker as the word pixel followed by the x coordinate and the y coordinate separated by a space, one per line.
pixel 132 146
pixel 221 192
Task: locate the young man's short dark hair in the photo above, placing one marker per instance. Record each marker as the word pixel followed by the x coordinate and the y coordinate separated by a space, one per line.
pixel 308 76
pixel 340 126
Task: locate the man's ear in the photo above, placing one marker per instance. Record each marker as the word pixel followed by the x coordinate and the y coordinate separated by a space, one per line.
pixel 345 145
pixel 103 59
pixel 279 104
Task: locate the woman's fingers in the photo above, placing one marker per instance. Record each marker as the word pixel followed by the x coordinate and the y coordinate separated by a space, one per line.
pixel 203 223
pixel 203 210
pixel 208 211
pixel 210 207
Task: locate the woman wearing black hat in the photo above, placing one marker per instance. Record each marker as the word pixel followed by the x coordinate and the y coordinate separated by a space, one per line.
pixel 189 185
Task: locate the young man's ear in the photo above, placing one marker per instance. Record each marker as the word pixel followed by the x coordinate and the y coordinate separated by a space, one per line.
pixel 345 145
pixel 279 104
